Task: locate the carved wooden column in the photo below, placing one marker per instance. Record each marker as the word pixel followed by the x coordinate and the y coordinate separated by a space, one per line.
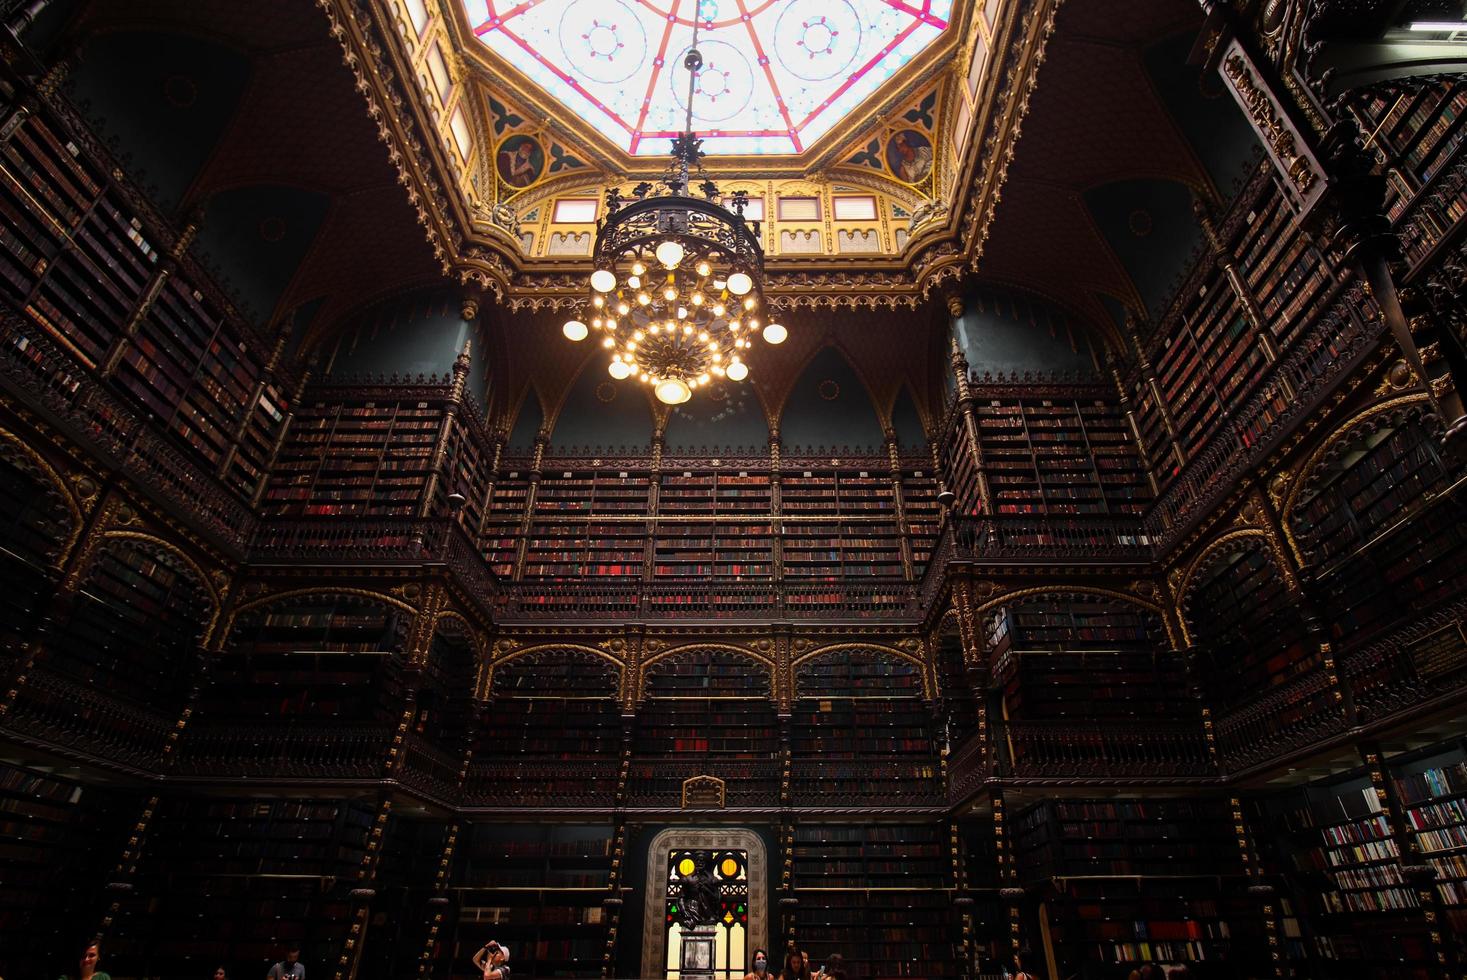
pixel 350 959
pixel 438 902
pixel 899 503
pixel 1261 510
pixel 161 275
pixel 1134 325
pixel 962 900
pixel 975 666
pixel 1009 889
pixel 487 507
pixel 1260 890
pixel 537 464
pixel 445 428
pixel 280 437
pixel 1142 450
pixel 966 417
pixel 1228 263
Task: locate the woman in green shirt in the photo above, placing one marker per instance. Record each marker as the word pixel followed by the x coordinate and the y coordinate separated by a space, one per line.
pixel 86 968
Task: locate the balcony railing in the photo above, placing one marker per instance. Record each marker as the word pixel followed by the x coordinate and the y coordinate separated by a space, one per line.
pixel 46 377
pixel 62 711
pixel 1291 716
pixel 749 782
pixel 592 599
pixel 290 750
pixel 1049 538
pixel 1065 750
pixel 374 541
pixel 541 782
pixel 427 767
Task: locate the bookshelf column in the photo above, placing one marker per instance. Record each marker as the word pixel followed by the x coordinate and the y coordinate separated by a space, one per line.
pixel 962 900
pixel 1258 889
pixel 281 436
pixel 1228 262
pixel 537 466
pixel 1148 378
pixel 1009 889
pixel 1419 875
pixel 267 378
pixel 975 668
pixel 445 428
pixel 362 894
pixel 904 529
pixel 1296 581
pixel 1143 451
pixel 165 271
pixel 438 902
pixel 967 419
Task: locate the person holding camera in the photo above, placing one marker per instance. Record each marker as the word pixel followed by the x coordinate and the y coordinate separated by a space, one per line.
pixel 493 961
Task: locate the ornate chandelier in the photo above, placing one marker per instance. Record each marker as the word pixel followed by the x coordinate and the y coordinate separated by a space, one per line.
pixel 677 294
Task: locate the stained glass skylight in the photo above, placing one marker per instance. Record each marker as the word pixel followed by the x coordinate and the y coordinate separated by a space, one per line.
pixel 777 74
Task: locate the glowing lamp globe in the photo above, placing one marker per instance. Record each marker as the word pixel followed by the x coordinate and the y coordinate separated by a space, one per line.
pixel 672 391
pixel 619 370
pixel 603 280
pixel 739 283
pixel 737 371
pixel 670 253
pixel 774 333
pixel 574 330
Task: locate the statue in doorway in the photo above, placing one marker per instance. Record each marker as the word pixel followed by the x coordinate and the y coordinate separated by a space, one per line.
pixel 698 892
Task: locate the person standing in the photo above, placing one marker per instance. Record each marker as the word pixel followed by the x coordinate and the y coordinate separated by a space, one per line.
pixel 290 968
pixel 493 961
pixel 86 967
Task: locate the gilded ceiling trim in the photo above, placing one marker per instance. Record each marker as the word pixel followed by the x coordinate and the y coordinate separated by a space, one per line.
pixel 487 257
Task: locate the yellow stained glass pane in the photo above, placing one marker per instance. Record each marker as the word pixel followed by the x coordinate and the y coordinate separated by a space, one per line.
pixel 686 866
pixel 730 867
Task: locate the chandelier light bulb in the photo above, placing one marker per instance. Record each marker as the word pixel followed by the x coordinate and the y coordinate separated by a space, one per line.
pixel 654 328
pixel 703 378
pixel 608 342
pixel 775 334
pixel 670 293
pixel 598 301
pixel 672 391
pixel 623 309
pixel 670 253
pixel 574 330
pixel 638 269
pixel 603 280
pixel 718 369
pixel 688 330
pixel 634 282
pixel 703 336
pixel 618 370
pixel 737 371
pixel 719 285
pixel 719 309
pixel 643 299
pixel 739 283
pixel 704 268
pixel 749 302
pixel 682 312
pixel 637 335
pixel 610 324
pixel 753 323
pixel 696 299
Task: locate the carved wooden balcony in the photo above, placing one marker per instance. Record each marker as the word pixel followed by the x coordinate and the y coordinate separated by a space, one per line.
pixel 356 542
pixel 598 599
pixel 1088 751
pixel 1047 539
pixel 531 782
pixel 285 749
pixel 430 768
pixel 53 708
pixel 659 783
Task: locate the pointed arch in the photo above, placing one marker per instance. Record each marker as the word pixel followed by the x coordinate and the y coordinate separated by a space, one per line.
pixel 595 410
pixel 529 419
pixel 823 411
pixel 916 662
pixel 685 648
pixel 909 423
pixel 14 449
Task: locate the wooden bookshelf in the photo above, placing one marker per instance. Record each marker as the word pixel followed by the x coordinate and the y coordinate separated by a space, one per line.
pixel 862 732
pixel 1257 637
pixel 1433 795
pixel 1061 455
pixel 1079 658
pixel 537 889
pixel 1334 847
pixel 58 838
pixel 875 894
pixel 233 880
pixel 552 736
pixel 506 511
pixel 706 712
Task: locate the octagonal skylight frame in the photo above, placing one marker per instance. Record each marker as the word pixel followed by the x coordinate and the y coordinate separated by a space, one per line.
pixel 617 64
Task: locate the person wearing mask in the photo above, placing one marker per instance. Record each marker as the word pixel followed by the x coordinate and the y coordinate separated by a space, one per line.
pixel 760 969
pixel 796 966
pixel 290 968
pixel 493 961
pixel 86 966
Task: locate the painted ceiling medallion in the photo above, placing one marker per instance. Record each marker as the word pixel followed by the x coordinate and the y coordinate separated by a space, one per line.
pixel 776 75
